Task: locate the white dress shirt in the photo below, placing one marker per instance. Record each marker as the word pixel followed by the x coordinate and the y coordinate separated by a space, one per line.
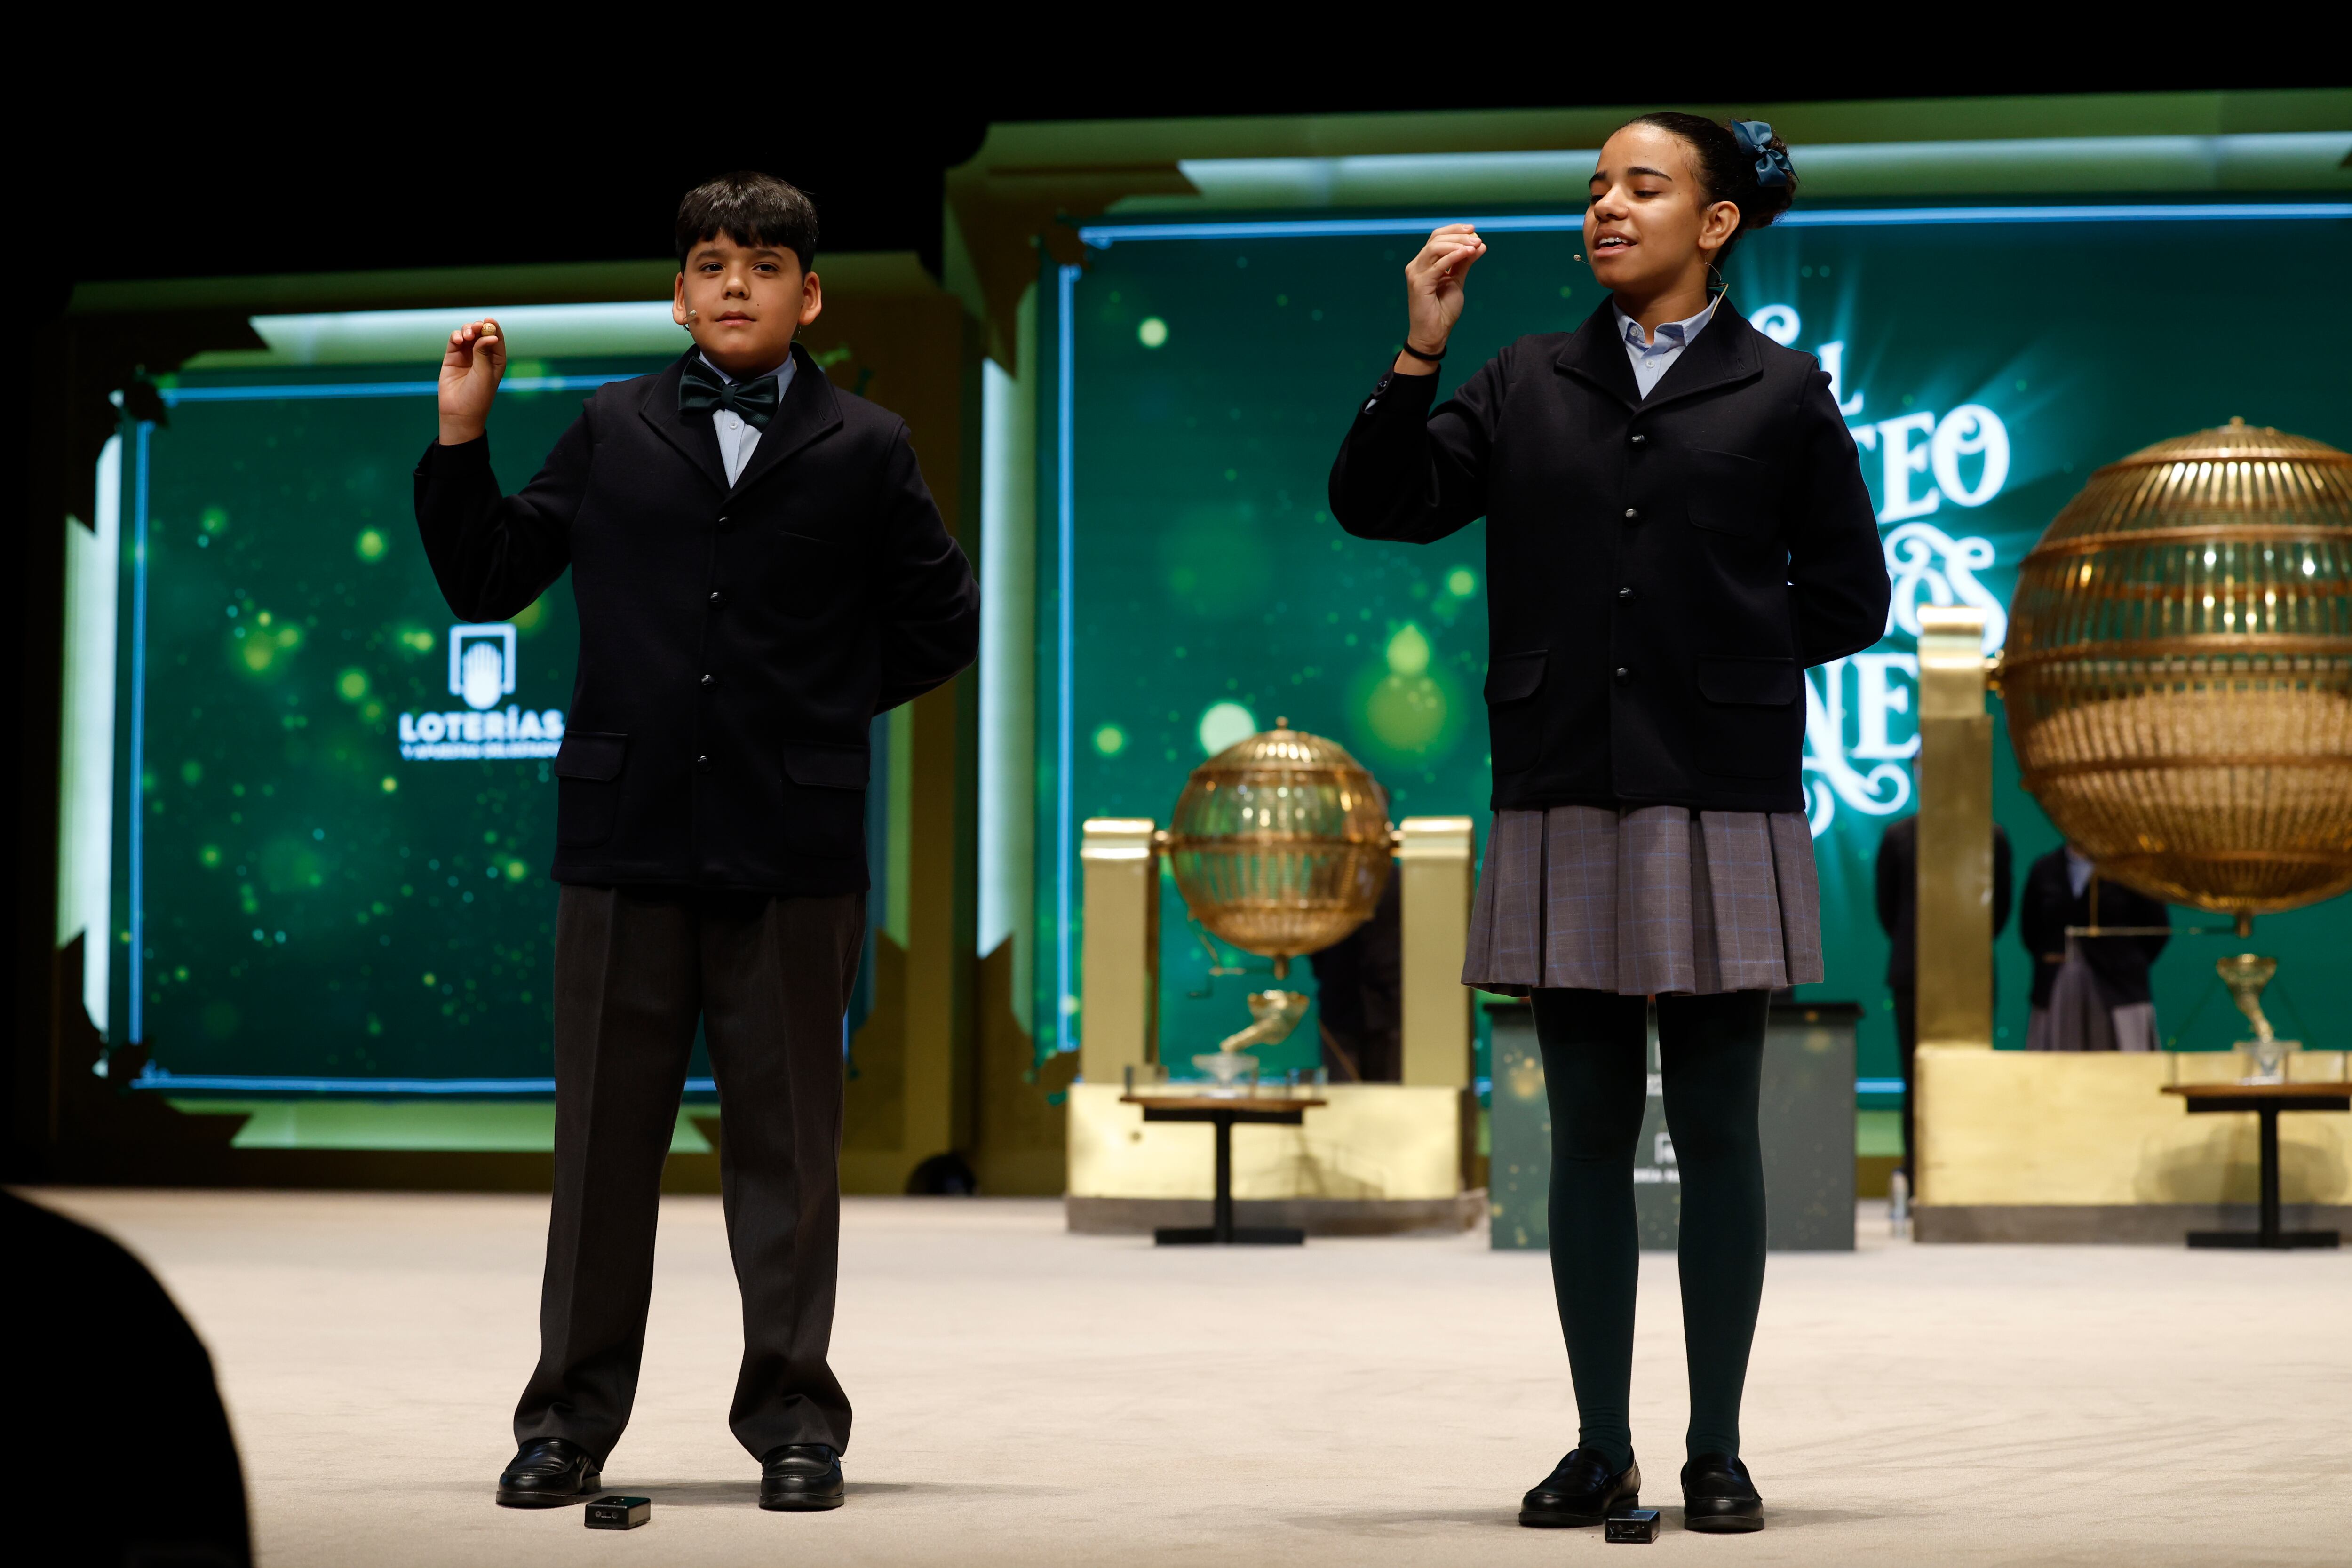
pixel 1653 357
pixel 738 439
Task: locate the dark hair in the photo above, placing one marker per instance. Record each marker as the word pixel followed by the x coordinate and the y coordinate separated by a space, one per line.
pixel 1728 170
pixel 755 208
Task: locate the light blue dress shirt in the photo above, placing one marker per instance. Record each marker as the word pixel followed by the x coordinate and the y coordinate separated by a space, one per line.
pixel 1654 358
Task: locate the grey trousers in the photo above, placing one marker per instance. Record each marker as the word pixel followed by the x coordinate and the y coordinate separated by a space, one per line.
pixel 769 978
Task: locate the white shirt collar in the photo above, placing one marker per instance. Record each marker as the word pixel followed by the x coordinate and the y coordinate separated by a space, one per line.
pixel 1671 336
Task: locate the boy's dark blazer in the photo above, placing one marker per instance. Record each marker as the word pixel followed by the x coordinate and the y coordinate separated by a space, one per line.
pixel 734 643
pixel 1660 572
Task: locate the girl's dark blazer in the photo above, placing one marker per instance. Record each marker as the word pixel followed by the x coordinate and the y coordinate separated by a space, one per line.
pixel 735 642
pixel 1660 572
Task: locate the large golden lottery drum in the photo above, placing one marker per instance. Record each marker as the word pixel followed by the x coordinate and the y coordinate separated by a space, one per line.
pixel 2178 671
pixel 1280 843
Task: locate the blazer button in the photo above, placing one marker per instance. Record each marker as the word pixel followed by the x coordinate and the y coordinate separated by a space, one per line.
pixel 1624 674
pixel 702 765
pixel 717 600
pixel 1633 515
pixel 1626 594
pixel 1638 439
pixel 725 521
pixel 708 681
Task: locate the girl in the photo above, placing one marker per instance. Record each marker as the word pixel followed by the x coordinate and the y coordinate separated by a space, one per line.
pixel 1677 528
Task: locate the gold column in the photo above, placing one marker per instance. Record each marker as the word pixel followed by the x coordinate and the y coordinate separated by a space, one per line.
pixel 1433 857
pixel 1119 966
pixel 1954 777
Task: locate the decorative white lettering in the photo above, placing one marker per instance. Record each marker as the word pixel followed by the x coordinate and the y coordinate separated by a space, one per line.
pixel 530 730
pixel 1875 697
pixel 1921 556
pixel 430 727
pixel 552 723
pixel 408 729
pixel 1964 432
pixel 1901 459
pixel 1778 323
pixel 1882 791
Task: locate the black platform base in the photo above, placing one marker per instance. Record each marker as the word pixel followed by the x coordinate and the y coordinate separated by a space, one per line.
pixel 1241 1236
pixel 2280 1239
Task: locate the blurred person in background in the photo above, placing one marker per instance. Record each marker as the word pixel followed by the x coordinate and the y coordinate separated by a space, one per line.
pixel 2090 993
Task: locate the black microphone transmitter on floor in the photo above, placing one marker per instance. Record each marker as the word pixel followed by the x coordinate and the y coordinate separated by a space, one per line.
pixel 1633 1524
pixel 628 1513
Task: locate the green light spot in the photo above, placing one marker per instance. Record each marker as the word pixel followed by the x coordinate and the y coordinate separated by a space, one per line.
pixel 1111 739
pixel 1151 332
pixel 1462 581
pixel 209 855
pixel 192 771
pixel 1408 651
pixel 351 685
pixel 1406 711
pixel 370 545
pixel 1224 724
pixel 213 519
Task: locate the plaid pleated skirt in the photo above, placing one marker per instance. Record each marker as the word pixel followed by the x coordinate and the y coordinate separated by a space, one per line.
pixel 1656 899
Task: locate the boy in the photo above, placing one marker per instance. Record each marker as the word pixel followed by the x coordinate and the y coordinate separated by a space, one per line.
pixel 759 571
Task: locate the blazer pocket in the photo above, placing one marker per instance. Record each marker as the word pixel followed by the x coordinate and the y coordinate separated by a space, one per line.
pixel 1514 734
pixel 1731 494
pixel 824 799
pixel 588 789
pixel 1753 726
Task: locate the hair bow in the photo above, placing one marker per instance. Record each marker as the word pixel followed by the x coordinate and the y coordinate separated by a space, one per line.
pixel 1773 167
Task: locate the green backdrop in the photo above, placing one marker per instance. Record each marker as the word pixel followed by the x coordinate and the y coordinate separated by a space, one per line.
pixel 334 883
pixel 300 903
pixel 1988 359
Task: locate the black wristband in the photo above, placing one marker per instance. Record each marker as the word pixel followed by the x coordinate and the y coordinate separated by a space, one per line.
pixel 1437 358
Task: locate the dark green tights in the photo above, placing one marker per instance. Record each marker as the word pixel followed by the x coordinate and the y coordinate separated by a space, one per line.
pixel 1596 1068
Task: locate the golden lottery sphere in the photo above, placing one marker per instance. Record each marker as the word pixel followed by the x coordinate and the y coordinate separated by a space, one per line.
pixel 1280 843
pixel 2178 673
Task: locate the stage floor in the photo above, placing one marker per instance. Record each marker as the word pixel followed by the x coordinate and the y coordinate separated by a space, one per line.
pixel 1028 1397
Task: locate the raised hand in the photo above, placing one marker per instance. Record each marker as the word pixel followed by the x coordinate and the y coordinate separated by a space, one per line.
pixel 471 370
pixel 1433 290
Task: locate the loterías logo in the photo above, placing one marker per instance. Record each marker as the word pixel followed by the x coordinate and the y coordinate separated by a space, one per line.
pixel 482 669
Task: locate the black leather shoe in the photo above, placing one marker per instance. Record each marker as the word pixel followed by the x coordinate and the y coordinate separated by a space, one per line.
pixel 1719 1497
pixel 1580 1491
pixel 801 1476
pixel 549 1472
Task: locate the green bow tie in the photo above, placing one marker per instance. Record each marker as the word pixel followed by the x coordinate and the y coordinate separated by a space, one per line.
pixel 702 390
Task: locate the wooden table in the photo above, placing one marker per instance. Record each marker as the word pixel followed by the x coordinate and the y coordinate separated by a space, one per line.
pixel 1223 1110
pixel 2266 1100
